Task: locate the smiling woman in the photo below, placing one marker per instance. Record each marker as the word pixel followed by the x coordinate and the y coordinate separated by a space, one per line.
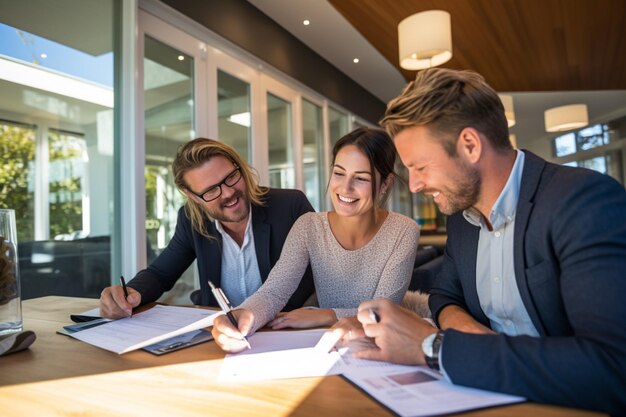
pixel 357 252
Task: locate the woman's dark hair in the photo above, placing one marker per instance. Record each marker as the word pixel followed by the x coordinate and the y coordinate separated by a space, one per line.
pixel 377 146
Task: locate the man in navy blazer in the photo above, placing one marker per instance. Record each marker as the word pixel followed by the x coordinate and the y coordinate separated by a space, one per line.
pixel 530 299
pixel 234 228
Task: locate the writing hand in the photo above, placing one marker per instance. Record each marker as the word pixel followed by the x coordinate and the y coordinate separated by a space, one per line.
pixel 115 305
pixel 398 335
pixel 229 338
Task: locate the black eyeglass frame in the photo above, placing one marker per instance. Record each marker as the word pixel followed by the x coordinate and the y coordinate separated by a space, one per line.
pixel 219 185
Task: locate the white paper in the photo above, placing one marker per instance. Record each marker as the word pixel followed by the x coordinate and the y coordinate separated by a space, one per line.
pixel 278 355
pixel 146 328
pixel 414 391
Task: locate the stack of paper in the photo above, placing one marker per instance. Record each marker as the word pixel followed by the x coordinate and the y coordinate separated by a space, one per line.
pixel 146 328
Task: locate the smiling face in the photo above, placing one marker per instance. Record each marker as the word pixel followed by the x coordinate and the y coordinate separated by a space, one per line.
pixel 453 182
pixel 232 205
pixel 350 185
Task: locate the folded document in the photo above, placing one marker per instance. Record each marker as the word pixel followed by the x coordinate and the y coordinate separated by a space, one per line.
pixel 146 328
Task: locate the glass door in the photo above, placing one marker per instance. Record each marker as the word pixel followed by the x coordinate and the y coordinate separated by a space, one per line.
pixel 173 68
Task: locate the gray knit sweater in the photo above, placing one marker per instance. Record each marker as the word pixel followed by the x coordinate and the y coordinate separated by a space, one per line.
pixel 343 278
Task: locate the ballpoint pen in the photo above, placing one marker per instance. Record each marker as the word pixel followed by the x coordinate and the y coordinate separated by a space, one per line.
pixel 374 315
pixel 226 308
pixel 123 281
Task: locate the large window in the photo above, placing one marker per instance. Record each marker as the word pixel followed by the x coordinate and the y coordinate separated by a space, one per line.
pixel 168 107
pixel 234 118
pixel 17 176
pixel 67 191
pixel 313 155
pixel 56 139
pixel 590 148
pixel 281 169
pixel 582 140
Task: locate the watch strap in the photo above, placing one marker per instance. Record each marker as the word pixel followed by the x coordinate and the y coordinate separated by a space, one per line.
pixel 432 361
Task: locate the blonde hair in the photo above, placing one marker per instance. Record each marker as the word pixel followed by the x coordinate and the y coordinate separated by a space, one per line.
pixel 194 154
pixel 447 101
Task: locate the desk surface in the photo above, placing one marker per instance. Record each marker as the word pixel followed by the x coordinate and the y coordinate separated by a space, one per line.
pixel 59 375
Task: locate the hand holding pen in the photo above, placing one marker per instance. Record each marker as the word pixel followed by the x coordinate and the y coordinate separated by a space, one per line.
pixel 123 281
pixel 118 301
pixel 221 333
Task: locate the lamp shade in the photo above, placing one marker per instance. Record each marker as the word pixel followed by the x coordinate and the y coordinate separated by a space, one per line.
pixel 425 40
pixel 507 102
pixel 559 119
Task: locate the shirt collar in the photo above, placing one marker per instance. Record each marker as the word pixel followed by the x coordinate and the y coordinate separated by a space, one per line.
pixel 247 235
pixel 503 210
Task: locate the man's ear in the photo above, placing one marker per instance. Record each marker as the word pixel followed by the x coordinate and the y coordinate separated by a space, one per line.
pixel 470 144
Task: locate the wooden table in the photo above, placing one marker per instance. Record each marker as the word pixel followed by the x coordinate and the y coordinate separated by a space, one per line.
pixel 61 376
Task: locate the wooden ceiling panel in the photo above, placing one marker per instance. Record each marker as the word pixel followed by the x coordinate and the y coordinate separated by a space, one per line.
pixel 517 45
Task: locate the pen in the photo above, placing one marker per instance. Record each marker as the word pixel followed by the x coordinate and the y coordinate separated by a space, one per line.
pixel 226 308
pixel 123 281
pixel 374 315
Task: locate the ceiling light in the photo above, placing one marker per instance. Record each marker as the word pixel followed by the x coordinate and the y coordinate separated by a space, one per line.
pixel 306 22
pixel 181 58
pixel 507 102
pixel 425 40
pixel 44 55
pixel 559 119
pixel 355 60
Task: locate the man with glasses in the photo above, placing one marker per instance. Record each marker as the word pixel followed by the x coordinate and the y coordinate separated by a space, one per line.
pixel 232 226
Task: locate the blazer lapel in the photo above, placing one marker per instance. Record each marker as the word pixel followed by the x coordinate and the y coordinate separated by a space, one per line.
pixel 261 231
pixel 533 167
pixel 212 248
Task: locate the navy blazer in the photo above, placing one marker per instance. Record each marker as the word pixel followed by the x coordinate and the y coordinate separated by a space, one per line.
pixel 570 268
pixel 271 223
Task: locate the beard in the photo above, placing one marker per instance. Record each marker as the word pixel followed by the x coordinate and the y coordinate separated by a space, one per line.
pixel 220 215
pixel 465 192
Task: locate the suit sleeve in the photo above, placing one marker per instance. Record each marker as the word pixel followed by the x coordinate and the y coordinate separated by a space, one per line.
pixel 161 275
pixel 583 231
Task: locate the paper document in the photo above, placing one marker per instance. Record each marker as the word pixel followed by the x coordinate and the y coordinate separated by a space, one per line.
pixel 278 355
pixel 146 328
pixel 414 391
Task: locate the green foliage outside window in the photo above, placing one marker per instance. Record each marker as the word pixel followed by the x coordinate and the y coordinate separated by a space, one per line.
pixel 17 154
pixel 65 155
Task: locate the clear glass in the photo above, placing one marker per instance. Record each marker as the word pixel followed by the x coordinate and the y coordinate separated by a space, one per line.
pixel 313 151
pixel 58 116
pixel 233 103
pixel 10 300
pixel 281 170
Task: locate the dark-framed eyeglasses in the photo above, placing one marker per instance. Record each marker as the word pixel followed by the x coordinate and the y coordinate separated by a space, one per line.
pixel 215 191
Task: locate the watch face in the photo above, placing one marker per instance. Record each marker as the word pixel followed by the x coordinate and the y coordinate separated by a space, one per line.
pixel 427 345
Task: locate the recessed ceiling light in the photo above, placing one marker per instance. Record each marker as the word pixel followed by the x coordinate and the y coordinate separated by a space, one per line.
pixel 306 22
pixel 44 55
pixel 355 60
pixel 181 58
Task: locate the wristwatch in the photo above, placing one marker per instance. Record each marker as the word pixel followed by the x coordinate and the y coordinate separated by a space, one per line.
pixel 431 346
